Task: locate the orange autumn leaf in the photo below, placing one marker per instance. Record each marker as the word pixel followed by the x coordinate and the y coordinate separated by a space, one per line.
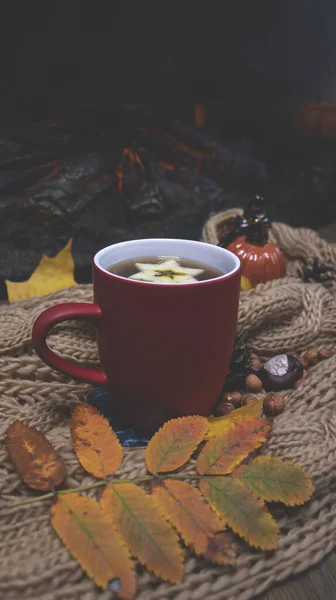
pixel 91 540
pixel 274 480
pixel 51 275
pixel 241 510
pixel 226 450
pixel 220 424
pixel 34 458
pixel 174 443
pixel 96 445
pixel 199 526
pixel 137 518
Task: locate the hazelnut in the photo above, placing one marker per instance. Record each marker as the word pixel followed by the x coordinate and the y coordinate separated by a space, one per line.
pixel 253 384
pixel 298 383
pixel 312 356
pixel 273 404
pixel 281 372
pixel 248 400
pixel 256 364
pixel 325 353
pixel 234 397
pixel 223 408
pixel 304 361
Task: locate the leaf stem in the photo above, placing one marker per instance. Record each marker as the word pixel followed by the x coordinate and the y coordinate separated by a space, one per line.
pixel 98 484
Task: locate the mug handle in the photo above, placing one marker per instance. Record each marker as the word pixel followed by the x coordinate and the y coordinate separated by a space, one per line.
pixel 65 312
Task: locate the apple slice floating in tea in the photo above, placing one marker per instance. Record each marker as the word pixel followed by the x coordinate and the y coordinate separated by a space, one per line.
pixel 168 271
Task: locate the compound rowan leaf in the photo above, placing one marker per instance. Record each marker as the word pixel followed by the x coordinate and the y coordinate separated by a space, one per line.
pixel 91 539
pixel 228 449
pixel 39 465
pixel 241 510
pixel 174 443
pixel 199 526
pixel 96 445
pixel 137 518
pixel 220 424
pixel 51 275
pixel 276 481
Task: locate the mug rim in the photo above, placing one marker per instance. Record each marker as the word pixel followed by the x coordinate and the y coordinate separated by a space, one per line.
pixel 190 243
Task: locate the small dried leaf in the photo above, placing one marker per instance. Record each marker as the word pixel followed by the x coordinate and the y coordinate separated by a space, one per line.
pixel 199 526
pixel 220 424
pixel 241 510
pixel 51 275
pixel 276 481
pixel 137 518
pixel 34 457
pixel 174 443
pixel 90 538
pixel 96 445
pixel 227 450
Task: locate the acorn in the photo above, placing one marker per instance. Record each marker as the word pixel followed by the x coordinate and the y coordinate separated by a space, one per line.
pixel 223 408
pixel 312 356
pixel 304 361
pixel 234 397
pixel 256 364
pixel 273 404
pixel 324 353
pixel 253 384
pixel 248 400
pixel 280 372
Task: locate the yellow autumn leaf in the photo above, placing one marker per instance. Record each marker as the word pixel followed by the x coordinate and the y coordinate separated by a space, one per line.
pixel 220 424
pixel 51 275
pixel 245 284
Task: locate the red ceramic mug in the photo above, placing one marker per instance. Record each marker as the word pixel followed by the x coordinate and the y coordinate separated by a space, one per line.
pixel 164 348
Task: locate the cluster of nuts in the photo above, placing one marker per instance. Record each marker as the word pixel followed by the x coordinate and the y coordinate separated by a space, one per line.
pixel 280 372
pixel 273 403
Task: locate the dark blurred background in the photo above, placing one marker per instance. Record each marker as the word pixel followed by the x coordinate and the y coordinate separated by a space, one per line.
pixel 248 61
pixel 81 81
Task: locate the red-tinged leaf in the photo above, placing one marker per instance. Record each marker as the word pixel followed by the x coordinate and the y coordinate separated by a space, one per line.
pixel 221 424
pixel 199 526
pixel 91 540
pixel 225 451
pixel 96 445
pixel 241 510
pixel 174 443
pixel 137 518
pixel 34 458
pixel 276 481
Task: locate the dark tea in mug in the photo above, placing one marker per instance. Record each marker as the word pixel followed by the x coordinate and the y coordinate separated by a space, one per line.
pixel 164 269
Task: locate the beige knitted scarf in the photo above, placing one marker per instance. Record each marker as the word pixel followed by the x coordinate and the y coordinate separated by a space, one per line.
pixel 281 316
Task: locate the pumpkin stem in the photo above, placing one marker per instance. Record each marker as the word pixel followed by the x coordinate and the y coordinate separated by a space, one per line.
pixel 255 222
pixel 256 231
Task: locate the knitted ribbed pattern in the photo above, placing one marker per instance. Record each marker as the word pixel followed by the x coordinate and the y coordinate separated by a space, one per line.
pixel 279 316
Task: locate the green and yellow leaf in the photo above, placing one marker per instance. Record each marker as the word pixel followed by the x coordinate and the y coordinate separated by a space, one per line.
pixel 51 275
pixel 241 510
pixel 95 443
pixel 276 481
pixel 137 518
pixel 34 458
pixel 220 424
pixel 90 538
pixel 174 443
pixel 199 526
pixel 225 451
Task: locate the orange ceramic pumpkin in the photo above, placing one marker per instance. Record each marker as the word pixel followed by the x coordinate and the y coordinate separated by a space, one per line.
pixel 261 260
